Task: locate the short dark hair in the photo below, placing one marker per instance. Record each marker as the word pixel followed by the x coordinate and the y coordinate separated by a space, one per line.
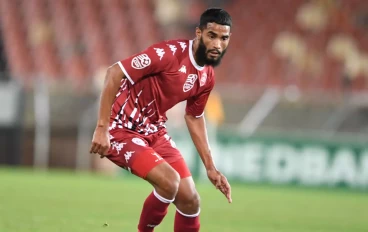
pixel 215 15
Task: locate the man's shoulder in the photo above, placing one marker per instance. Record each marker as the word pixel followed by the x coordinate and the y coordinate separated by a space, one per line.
pixel 176 42
pixel 181 45
pixel 175 46
pixel 169 52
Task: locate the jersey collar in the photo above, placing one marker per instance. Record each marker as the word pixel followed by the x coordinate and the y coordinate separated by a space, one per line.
pixel 191 57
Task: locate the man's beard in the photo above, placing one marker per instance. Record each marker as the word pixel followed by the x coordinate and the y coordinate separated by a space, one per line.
pixel 202 55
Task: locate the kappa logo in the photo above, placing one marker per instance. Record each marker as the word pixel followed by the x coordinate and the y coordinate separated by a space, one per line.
pixel 141 61
pixel 203 79
pixel 183 69
pixel 183 45
pixel 172 48
pixel 128 155
pixel 160 52
pixel 117 146
pixel 189 83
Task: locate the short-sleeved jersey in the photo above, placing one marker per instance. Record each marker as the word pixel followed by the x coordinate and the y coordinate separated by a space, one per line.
pixel 157 79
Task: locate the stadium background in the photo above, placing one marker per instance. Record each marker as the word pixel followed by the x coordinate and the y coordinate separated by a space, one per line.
pixel 290 108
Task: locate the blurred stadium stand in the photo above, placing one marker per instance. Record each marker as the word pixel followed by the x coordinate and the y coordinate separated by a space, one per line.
pixel 296 66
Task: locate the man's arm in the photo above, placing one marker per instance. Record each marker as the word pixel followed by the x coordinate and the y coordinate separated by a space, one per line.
pixel 112 83
pixel 101 142
pixel 154 59
pixel 198 133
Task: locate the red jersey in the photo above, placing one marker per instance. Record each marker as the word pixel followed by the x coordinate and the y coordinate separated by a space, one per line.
pixel 156 80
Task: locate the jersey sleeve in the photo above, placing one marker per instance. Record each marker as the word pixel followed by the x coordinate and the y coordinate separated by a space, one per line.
pixel 196 105
pixel 153 60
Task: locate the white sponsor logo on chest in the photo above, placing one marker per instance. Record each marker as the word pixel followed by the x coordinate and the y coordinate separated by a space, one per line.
pixel 189 83
pixel 141 61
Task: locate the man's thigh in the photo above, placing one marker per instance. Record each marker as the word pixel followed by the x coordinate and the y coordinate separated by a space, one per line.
pixel 133 153
pixel 166 147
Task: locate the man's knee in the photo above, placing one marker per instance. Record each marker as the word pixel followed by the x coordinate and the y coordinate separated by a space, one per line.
pixel 188 203
pixel 193 202
pixel 165 180
pixel 170 183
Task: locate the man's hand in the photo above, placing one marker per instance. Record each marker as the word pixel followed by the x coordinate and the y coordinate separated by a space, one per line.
pixel 100 141
pixel 221 183
pixel 197 130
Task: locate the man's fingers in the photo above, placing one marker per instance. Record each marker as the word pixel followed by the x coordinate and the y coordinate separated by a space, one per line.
pixel 106 150
pixel 218 182
pixel 101 150
pixel 222 184
pixel 227 189
pixel 228 194
pixel 227 185
pixel 229 198
pixel 93 147
pixel 96 148
pixel 222 189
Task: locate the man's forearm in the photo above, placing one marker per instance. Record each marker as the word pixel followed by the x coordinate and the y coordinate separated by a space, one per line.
pixel 198 133
pixel 207 161
pixel 110 89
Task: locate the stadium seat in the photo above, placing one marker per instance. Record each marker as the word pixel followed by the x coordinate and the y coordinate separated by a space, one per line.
pixel 72 40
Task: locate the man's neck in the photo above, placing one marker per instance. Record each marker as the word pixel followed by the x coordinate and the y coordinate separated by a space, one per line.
pixel 194 50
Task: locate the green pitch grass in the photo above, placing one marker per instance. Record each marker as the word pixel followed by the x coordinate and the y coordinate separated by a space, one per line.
pixel 58 201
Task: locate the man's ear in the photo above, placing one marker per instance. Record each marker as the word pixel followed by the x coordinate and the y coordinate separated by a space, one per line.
pixel 198 33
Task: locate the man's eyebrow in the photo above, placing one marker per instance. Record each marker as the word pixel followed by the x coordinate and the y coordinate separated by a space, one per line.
pixel 211 32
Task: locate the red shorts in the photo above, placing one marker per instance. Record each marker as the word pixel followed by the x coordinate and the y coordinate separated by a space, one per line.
pixel 139 154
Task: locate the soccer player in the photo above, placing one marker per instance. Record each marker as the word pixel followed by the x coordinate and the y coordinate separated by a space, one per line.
pixel 131 130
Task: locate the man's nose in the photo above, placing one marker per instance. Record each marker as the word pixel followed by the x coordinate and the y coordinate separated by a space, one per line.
pixel 217 44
